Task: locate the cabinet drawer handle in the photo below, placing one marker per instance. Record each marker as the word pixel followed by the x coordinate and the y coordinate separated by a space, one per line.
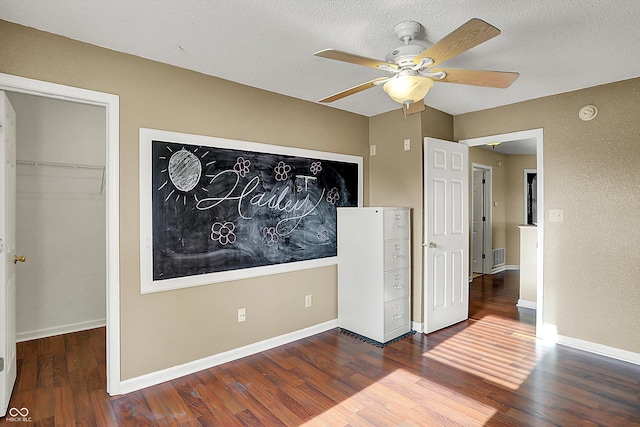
pixel 397 316
pixel 397 287
pixel 397 256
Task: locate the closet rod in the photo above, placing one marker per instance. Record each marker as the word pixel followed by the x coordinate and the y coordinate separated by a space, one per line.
pixel 54 164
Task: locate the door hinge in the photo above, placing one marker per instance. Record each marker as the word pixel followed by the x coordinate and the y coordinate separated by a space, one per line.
pixel 484 256
pixel 484 218
pixel 484 181
pixel 1 364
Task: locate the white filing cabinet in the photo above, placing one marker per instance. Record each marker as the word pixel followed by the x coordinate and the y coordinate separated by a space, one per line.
pixel 374 271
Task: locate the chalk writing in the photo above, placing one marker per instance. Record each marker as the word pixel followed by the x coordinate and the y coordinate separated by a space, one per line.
pixel 219 209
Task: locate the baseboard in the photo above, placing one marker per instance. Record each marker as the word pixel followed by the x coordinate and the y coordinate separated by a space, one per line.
pixel 58 330
pixel 168 374
pixel 603 350
pixel 526 304
pixel 504 267
pixel 418 327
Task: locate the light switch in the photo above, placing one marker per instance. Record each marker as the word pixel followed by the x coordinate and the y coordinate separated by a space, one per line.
pixel 407 144
pixel 556 215
pixel 372 150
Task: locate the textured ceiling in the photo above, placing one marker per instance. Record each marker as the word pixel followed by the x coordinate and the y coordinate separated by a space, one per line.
pixel 557 46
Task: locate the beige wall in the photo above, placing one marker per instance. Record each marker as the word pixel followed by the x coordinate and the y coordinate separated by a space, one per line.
pixel 169 328
pixel 514 202
pixel 591 260
pixel 396 175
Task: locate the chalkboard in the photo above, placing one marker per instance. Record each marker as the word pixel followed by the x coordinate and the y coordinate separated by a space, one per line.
pixel 222 206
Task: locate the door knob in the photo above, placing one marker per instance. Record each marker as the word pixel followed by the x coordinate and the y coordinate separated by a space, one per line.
pixel 20 258
pixel 432 245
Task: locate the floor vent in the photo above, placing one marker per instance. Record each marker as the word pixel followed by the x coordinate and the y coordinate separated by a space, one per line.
pixel 498 256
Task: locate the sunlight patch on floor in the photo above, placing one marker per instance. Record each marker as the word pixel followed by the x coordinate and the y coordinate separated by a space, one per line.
pixel 497 355
pixel 406 399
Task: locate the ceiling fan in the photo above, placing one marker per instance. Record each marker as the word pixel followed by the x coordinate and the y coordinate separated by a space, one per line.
pixel 415 69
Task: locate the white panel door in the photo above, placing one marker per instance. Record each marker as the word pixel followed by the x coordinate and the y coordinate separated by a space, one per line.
pixel 446 231
pixel 8 251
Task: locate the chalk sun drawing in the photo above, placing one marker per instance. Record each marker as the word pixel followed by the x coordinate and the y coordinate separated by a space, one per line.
pixel 184 169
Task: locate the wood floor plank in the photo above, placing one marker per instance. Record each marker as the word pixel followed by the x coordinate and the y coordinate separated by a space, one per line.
pixel 64 406
pixel 167 406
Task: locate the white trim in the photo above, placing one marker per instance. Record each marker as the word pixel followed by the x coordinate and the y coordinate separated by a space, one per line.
pixel 146 138
pixel 504 267
pixel 538 134
pixel 168 374
pixel 111 103
pixel 418 327
pixel 523 303
pixel 58 330
pixel 603 350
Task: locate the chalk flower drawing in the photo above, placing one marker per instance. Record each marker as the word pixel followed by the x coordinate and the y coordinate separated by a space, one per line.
pixel 282 171
pixel 333 196
pixel 315 168
pixel 269 236
pixel 223 232
pixel 242 166
pixel 323 233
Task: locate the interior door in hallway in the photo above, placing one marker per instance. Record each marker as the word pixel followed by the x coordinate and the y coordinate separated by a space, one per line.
pixel 446 246
pixel 477 222
pixel 8 252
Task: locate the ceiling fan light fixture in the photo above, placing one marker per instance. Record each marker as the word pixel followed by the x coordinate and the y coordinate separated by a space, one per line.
pixel 408 89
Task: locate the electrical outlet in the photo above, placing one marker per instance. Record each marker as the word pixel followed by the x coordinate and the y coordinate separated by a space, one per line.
pixel 556 215
pixel 407 144
pixel 307 301
pixel 242 315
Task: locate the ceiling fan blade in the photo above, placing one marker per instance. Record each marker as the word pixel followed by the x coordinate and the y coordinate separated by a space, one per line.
pixel 469 35
pixel 355 59
pixel 499 79
pixel 414 107
pixel 353 90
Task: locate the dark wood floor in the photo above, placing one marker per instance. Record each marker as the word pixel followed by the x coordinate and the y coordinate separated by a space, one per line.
pixel 493 298
pixel 489 370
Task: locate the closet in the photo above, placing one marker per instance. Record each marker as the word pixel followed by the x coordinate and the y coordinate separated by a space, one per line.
pixel 61 216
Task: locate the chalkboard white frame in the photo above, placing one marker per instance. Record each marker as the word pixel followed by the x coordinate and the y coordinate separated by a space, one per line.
pixel 147 136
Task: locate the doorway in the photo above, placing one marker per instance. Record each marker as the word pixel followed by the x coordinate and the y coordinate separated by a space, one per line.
pixel 60 216
pixel 110 103
pixel 481 220
pixel 536 138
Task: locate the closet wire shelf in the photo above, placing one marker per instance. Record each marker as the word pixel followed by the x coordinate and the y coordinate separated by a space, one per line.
pixel 60 178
